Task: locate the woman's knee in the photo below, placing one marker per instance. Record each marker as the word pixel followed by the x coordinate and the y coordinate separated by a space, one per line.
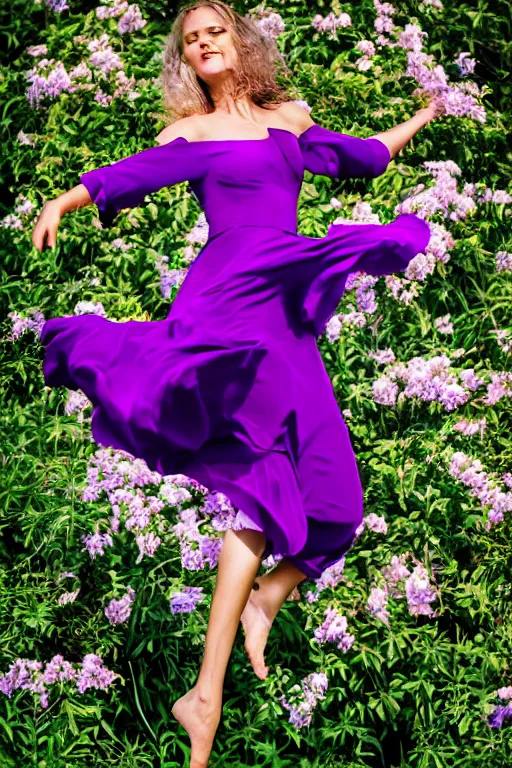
pixel 255 540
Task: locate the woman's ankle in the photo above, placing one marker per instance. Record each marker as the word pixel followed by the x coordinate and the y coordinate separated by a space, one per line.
pixel 267 595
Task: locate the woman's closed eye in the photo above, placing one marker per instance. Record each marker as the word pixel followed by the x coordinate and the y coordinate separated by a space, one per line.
pixel 214 32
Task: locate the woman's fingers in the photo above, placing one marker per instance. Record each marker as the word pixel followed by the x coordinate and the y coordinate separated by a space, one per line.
pixel 52 236
pixel 39 236
pixel 46 229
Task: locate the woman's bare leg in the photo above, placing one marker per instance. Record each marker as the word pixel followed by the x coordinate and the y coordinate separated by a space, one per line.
pixel 199 710
pixel 263 606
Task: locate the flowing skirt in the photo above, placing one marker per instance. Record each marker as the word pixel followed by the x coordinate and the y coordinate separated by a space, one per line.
pixel 230 389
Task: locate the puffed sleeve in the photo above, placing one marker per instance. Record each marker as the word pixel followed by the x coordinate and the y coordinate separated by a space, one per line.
pixel 341 156
pixel 124 184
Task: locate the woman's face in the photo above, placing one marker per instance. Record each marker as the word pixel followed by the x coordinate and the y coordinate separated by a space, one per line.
pixel 204 30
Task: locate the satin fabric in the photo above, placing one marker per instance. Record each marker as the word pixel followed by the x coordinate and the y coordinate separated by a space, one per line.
pixel 230 389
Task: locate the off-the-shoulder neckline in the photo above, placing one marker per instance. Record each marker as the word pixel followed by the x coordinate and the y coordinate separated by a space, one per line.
pixel 239 141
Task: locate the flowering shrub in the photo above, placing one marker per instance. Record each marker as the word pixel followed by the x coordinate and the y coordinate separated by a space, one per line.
pixel 399 654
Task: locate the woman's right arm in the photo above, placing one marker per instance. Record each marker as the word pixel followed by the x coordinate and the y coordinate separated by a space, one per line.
pixel 52 212
pixel 125 183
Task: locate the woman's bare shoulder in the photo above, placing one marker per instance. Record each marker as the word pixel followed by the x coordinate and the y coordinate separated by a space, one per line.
pixel 186 128
pixel 297 118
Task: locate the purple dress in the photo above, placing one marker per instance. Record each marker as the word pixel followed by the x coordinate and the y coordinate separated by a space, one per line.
pixel 230 389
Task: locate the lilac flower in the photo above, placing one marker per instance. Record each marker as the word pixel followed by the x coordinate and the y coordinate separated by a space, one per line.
pixel 334 630
pixel 81 70
pixel 419 593
pixel 22 324
pixel 25 674
pixel 384 22
pixel 56 82
pixel 68 597
pixel 411 39
pixel 330 578
pixel 210 551
pixel 95 543
pixel 65 575
pixel 186 600
pixel 469 428
pixel 383 356
pixel 131 21
pixel 11 222
pixel 169 277
pixel 466 65
pixel 502 339
pixel 363 64
pixel 451 395
pixel 105 59
pixel 114 471
pixel 501 196
pixel 302 699
pixel 470 379
pixel 499 386
pixel 100 43
pixel 376 604
pixel 366 47
pixel 385 391
pixel 125 85
pixel 57 6
pixel 271 25
pixel 394 573
pixel 365 295
pixel 362 214
pixel 443 324
pixel 109 12
pixel 416 587
pixel 103 99
pixel 333 329
pixel 199 233
pixel 37 50
pixel 25 138
pixel 331 23
pixel 499 715
pixel 120 244
pixel 470 472
pixel 58 670
pixel 76 401
pixel 375 523
pixel 430 380
pixel 93 674
pixel 148 543
pixel 24 207
pixel 503 261
pixel 399 292
pixel 352 318
pixel 89 307
pixel 119 611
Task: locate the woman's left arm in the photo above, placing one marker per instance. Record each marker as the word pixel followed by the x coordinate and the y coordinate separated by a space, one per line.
pixel 397 137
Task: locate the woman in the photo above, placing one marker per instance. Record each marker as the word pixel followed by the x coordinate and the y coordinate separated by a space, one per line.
pixel 230 389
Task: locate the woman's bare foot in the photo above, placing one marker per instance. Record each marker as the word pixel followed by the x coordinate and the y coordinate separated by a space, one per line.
pixel 256 620
pixel 200 718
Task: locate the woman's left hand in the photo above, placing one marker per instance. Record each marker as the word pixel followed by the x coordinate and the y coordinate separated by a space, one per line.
pixel 435 109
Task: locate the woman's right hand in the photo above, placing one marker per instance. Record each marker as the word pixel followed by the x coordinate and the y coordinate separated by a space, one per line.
pixel 47 225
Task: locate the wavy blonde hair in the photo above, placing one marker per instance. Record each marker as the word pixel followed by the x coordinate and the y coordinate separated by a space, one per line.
pixel 259 62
